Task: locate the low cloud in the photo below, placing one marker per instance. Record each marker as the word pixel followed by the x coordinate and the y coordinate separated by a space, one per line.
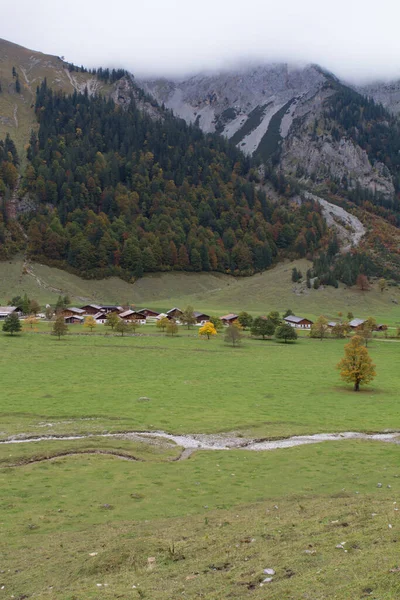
pixel 356 39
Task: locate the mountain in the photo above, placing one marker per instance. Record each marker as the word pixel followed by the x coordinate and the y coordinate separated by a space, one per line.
pixel 105 174
pixel 386 93
pixel 271 108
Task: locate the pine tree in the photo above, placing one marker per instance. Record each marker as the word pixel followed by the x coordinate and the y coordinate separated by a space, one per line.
pixel 12 324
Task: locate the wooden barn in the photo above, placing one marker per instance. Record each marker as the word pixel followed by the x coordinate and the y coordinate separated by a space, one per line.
pixel 147 312
pixel 72 311
pixel 174 313
pixel 108 308
pixel 356 324
pixel 132 315
pixel 200 317
pixel 229 319
pixel 72 319
pixel 298 322
pixel 6 311
pixel 91 309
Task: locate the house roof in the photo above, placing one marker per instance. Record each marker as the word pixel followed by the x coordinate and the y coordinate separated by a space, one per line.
pixel 126 313
pixel 7 310
pixel 332 323
pixel 100 315
pixel 356 322
pixel 199 314
pixel 110 306
pixel 96 306
pixel 229 317
pixel 79 311
pixel 293 319
pixel 172 310
pixel 74 317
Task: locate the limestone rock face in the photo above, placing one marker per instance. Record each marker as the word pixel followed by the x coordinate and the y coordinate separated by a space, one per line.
pixel 270 108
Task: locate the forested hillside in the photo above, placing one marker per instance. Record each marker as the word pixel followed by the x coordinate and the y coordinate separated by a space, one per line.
pixel 117 191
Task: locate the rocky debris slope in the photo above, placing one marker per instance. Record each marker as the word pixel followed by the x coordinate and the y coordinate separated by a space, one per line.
pixel 349 229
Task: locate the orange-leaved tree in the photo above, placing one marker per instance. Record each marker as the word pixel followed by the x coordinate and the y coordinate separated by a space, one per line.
pixel 356 366
pixel 208 329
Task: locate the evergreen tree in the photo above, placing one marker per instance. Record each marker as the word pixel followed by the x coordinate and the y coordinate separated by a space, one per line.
pixel 12 324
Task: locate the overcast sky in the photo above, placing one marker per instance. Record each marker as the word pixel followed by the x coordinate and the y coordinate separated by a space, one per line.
pixel 356 39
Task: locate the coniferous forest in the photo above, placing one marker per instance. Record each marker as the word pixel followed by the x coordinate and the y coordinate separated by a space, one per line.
pixel 119 192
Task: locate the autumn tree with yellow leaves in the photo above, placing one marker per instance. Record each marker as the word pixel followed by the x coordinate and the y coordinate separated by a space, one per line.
pixel 356 366
pixel 90 323
pixel 208 329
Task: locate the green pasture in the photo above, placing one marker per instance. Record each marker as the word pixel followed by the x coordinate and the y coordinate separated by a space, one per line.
pixel 210 524
pixel 214 293
pixel 190 385
pixel 80 519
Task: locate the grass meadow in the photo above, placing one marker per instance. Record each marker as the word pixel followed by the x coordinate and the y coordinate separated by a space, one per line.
pixel 214 293
pixel 118 518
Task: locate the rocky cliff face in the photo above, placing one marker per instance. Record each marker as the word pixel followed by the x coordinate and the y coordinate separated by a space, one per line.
pixel 237 104
pixel 386 93
pixel 275 108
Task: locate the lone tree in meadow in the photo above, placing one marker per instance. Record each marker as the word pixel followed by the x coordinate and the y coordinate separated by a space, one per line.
pixel 233 334
pixel 30 321
pixel 208 330
pixel 245 320
pixel 112 319
pixel 122 327
pixel 356 367
pixel 263 327
pixel 60 327
pixel 171 328
pixel 286 333
pixel 382 284
pixel 90 323
pixel 367 329
pixel 362 282
pixel 162 323
pixel 12 324
pixel 188 317
pixel 320 328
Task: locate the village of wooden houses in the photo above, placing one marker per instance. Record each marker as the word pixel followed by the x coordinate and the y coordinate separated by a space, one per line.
pixel 77 315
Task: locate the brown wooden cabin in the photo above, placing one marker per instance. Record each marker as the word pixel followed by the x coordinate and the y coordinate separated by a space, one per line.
pixel 91 309
pixel 132 315
pixel 109 308
pixel 356 324
pixel 72 319
pixel 229 319
pixel 381 327
pixel 174 313
pixel 298 322
pixel 147 312
pixel 72 311
pixel 201 317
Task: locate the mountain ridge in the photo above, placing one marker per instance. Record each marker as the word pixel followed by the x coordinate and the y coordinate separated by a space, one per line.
pixel 302 131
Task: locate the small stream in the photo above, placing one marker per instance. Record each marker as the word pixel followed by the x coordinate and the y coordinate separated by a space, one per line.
pixel 219 441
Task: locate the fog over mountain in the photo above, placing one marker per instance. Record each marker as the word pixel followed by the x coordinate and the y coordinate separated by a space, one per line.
pixel 356 40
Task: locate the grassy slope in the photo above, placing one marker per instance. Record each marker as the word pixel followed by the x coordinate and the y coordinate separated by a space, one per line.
pixel 212 522
pixel 190 517
pixel 93 383
pixel 216 293
pixel 16 110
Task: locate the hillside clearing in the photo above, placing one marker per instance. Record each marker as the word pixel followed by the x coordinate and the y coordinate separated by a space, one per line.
pixel 212 292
